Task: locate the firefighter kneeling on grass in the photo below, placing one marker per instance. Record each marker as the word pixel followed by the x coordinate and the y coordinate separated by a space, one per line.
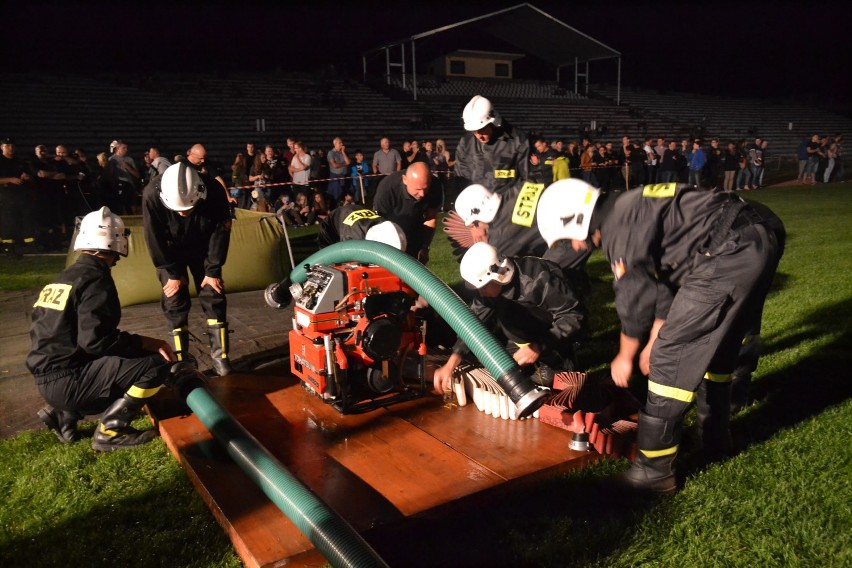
pixel 81 361
pixel 692 269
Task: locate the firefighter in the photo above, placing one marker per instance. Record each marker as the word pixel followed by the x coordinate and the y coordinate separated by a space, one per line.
pixel 188 228
pixel 81 361
pixel 356 222
pixel 492 153
pixel 405 198
pixel 529 303
pixel 692 269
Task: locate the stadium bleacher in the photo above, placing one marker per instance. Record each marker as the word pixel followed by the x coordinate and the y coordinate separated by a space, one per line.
pixel 173 112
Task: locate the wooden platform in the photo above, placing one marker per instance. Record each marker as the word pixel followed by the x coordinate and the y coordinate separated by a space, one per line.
pixel 376 469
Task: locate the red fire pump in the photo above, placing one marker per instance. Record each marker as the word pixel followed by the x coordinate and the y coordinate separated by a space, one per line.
pixel 353 330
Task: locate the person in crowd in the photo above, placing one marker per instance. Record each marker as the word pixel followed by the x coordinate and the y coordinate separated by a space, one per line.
pixel 697 161
pixel 240 180
pixel 529 303
pixel 650 162
pixel 359 182
pixel 587 165
pixel 405 198
pixel 300 167
pixel 258 176
pixel 416 153
pixel 17 214
pixel 158 163
pixel 670 164
pixel 715 158
pixel 124 179
pixel 755 163
pixel 196 157
pixel 685 152
pixel 695 295
pixel 743 180
pixel 338 166
pixel 319 208
pixel 406 150
pixel 187 225
pixel 304 209
pixel 82 362
pixel 541 161
pixel 493 153
pixel 386 160
pixel 287 212
pixel 730 164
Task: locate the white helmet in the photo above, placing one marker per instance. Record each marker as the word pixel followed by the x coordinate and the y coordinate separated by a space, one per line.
pixel 181 187
pixel 102 230
pixel 477 203
pixel 480 265
pixel 389 233
pixel 478 113
pixel 565 210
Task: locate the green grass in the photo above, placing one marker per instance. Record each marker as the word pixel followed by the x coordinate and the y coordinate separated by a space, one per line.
pixel 784 500
pixel 29 272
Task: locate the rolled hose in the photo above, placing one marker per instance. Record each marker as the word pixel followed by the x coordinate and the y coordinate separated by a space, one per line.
pixel 480 341
pixel 333 537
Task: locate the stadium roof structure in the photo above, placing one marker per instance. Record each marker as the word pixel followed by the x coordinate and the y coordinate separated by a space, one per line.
pixel 526 27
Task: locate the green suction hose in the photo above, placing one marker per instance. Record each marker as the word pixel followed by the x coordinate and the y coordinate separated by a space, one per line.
pixel 334 537
pixel 447 304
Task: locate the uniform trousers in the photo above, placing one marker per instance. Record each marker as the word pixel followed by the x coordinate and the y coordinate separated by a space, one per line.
pixel 719 303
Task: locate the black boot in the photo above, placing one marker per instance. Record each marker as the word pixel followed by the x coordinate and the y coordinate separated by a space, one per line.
pixel 63 423
pixel 180 339
pixel 114 431
pixel 657 441
pixel 713 408
pixel 218 332
pixel 740 389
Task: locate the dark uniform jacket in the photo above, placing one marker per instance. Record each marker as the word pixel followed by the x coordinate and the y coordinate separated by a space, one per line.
pixel 537 304
pixel 347 222
pixel 395 204
pixel 175 241
pixel 500 165
pixel 75 321
pixel 651 238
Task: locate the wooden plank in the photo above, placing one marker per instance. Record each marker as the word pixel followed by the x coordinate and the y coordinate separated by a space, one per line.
pixel 510 448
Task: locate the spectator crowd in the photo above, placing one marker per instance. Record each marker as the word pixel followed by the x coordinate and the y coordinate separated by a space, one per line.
pixel 301 185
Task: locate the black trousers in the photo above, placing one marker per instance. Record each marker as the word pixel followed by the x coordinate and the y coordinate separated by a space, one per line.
pixel 176 308
pixel 16 214
pixel 720 302
pixel 93 388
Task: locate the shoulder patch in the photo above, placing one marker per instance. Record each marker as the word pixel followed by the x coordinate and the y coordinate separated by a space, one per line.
pixel 53 297
pixel 659 190
pixel 359 215
pixel 525 205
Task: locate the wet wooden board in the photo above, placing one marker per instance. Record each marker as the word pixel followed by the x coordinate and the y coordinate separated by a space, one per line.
pixel 374 469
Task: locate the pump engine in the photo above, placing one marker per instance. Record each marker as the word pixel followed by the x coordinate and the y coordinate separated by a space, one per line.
pixel 353 331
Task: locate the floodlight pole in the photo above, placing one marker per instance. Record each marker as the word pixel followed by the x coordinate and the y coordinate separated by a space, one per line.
pixel 618 85
pixel 413 71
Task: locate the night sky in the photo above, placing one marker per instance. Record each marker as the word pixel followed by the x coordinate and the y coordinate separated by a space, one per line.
pixel 754 49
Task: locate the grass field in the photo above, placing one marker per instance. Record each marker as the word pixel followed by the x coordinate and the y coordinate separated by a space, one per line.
pixel 784 500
